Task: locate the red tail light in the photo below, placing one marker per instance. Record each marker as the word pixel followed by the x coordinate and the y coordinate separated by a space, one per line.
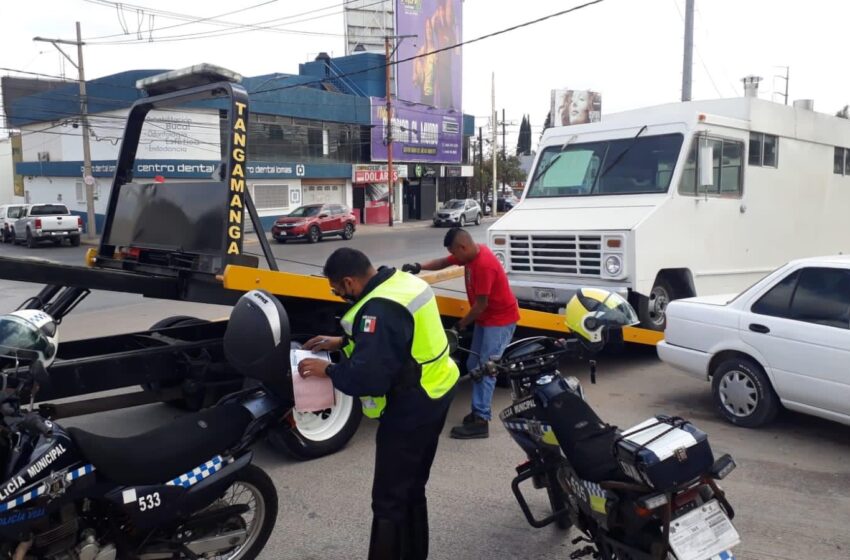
pixel 134 252
pixel 38 223
pixel 79 222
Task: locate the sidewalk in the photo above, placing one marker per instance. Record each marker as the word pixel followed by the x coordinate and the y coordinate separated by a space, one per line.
pixel 362 229
pixel 406 226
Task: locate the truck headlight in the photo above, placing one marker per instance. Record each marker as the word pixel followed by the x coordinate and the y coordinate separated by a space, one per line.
pixel 501 258
pixel 613 265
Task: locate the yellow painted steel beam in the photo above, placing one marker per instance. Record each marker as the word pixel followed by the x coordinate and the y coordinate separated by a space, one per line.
pixel 288 284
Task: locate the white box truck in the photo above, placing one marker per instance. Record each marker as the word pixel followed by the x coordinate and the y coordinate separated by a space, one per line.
pixel 672 201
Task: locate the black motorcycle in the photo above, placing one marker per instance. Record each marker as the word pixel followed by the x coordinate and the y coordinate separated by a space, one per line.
pixel 646 493
pixel 185 490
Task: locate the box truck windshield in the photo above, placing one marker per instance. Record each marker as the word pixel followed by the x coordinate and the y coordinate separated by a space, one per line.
pixel 635 165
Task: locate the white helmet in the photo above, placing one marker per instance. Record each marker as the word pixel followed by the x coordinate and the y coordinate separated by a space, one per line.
pixel 29 334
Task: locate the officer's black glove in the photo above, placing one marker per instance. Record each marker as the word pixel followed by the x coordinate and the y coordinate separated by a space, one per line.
pixel 413 268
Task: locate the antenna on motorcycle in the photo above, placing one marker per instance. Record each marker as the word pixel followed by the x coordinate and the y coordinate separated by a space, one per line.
pixel 593 372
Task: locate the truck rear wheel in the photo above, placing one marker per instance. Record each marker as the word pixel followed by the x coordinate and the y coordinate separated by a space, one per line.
pixel 653 308
pixel 31 243
pixel 310 435
pixel 169 322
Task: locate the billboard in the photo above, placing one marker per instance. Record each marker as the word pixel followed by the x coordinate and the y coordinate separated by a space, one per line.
pixel 420 134
pixel 431 79
pixel 575 106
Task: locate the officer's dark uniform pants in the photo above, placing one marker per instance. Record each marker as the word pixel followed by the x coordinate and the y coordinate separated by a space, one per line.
pixel 403 461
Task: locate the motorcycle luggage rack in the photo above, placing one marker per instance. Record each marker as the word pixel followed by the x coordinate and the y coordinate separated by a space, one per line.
pixel 526 472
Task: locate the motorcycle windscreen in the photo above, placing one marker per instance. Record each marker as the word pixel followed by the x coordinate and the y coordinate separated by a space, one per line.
pixel 185 217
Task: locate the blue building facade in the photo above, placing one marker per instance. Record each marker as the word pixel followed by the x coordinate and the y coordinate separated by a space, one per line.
pixel 308 133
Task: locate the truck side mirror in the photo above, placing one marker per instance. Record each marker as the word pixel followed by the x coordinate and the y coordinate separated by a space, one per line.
pixel 706 166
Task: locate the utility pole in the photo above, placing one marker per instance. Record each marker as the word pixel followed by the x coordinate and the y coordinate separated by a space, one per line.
pixel 494 130
pixel 88 178
pixel 504 144
pixel 786 78
pixel 389 96
pixel 481 166
pixel 688 59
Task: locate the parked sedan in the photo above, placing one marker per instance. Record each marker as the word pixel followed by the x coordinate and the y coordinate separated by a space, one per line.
pixel 783 342
pixel 458 212
pixel 315 221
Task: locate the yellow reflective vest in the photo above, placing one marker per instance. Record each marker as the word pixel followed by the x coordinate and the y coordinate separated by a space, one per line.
pixel 430 348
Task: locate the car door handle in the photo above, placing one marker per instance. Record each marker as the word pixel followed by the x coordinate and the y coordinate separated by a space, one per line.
pixel 755 327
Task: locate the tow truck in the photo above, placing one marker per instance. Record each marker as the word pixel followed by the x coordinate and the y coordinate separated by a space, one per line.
pixel 156 242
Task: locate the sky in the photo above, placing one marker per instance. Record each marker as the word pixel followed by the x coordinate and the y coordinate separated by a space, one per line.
pixel 629 50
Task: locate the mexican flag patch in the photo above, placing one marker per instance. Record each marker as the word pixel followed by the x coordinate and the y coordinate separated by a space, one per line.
pixel 368 324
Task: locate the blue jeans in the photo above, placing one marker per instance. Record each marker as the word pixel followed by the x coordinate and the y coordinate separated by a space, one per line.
pixel 488 343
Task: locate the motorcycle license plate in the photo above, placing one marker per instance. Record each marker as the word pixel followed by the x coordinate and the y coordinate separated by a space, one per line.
pixel 544 294
pixel 703 533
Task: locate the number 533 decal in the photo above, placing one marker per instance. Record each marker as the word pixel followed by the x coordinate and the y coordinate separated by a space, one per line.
pixel 150 501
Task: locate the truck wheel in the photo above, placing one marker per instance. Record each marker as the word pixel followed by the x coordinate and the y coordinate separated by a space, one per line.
pixel 742 393
pixel 75 241
pixel 169 322
pixel 653 308
pixel 314 235
pixel 31 244
pixel 310 435
pixel 316 434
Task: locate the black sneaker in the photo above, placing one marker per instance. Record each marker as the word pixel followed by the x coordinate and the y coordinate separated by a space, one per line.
pixel 477 429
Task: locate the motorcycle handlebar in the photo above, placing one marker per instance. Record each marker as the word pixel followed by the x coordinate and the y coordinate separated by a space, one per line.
pixel 35 424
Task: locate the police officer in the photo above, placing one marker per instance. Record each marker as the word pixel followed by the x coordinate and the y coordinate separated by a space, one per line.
pixel 397 361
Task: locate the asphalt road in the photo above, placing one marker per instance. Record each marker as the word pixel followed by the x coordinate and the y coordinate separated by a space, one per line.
pixel 791 490
pixel 395 247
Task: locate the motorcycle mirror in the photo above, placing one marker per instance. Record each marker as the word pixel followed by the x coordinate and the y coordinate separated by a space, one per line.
pixel 593 372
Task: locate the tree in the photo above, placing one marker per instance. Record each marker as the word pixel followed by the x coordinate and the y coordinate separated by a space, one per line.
pixel 547 123
pixel 523 146
pixel 844 113
pixel 509 173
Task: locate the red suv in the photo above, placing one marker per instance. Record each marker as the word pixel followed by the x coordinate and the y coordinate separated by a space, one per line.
pixel 314 221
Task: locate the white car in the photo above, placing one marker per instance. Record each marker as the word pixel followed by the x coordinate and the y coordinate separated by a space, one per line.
pixel 784 341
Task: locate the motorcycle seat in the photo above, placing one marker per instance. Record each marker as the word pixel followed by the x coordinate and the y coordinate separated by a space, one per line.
pixel 164 453
pixel 593 457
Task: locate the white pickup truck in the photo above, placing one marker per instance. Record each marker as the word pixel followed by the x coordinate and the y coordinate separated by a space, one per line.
pixel 42 222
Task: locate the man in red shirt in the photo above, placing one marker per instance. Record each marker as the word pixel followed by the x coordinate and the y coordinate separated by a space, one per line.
pixel 494 312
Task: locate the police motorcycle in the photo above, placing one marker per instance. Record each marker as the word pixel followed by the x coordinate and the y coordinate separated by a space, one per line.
pixel 646 493
pixel 185 490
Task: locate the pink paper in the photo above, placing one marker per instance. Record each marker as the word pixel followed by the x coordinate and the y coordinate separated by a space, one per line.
pixel 313 393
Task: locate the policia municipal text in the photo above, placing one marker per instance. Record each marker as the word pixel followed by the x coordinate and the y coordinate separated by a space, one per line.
pixel 396 359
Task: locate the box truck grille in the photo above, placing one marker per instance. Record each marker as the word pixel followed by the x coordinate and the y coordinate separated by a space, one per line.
pixel 575 255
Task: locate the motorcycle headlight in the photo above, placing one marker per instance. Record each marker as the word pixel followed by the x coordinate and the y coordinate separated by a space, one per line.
pixel 613 265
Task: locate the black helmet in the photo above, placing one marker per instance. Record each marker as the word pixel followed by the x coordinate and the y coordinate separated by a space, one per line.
pixel 256 342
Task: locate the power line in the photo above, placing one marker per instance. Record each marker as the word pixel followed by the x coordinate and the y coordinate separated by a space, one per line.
pixel 238 28
pixel 194 20
pixel 450 47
